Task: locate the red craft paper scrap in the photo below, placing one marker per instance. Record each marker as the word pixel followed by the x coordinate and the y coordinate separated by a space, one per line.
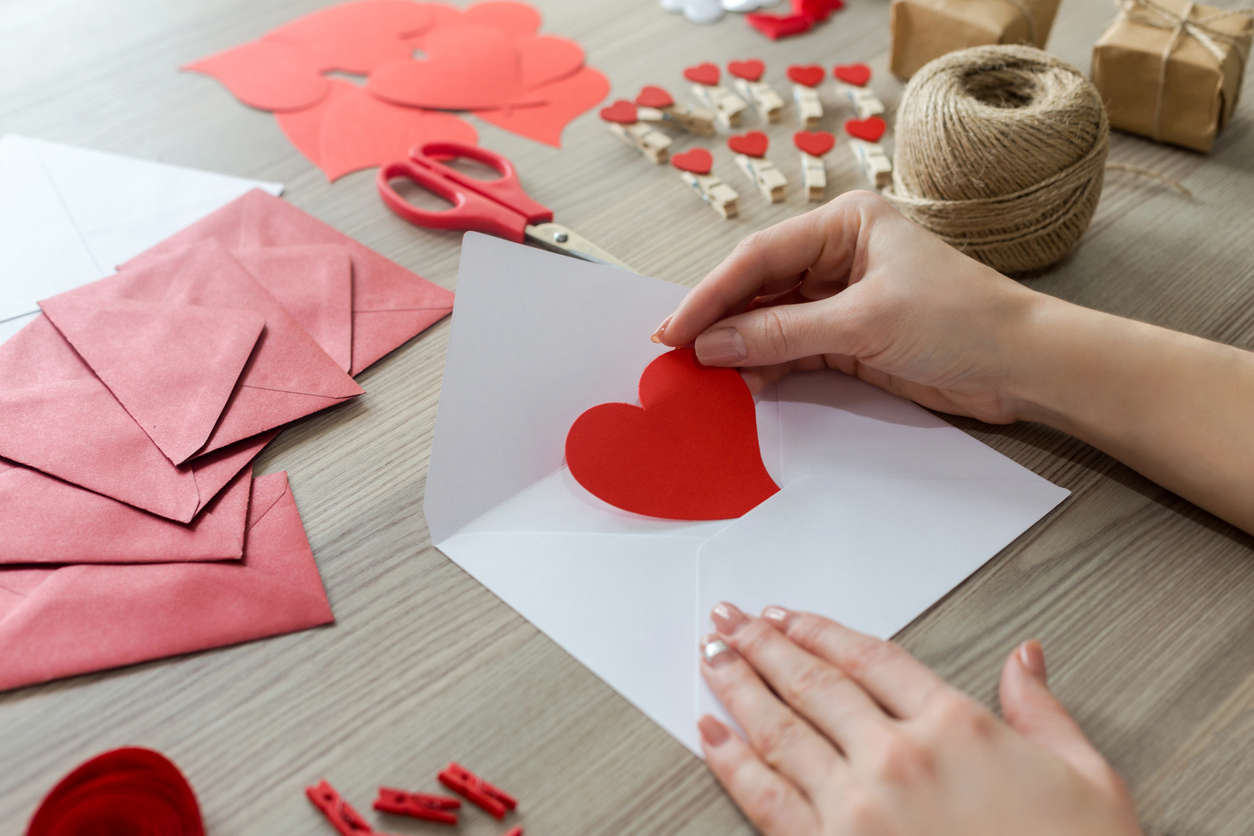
pixel 267 74
pixel 779 26
pixel 357 37
pixel 544 59
pixel 689 452
pixel 510 18
pixel 566 99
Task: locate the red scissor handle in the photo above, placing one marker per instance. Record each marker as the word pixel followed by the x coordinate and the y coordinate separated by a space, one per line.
pixel 505 190
pixel 470 210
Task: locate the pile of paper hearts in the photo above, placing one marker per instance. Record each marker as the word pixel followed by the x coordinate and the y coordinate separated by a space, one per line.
pixel 805 14
pixel 131 410
pixel 418 60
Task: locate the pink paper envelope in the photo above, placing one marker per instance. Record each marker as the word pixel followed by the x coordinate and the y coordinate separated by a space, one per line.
pixel 45 520
pixel 76 619
pixel 287 376
pixel 57 417
pixel 391 305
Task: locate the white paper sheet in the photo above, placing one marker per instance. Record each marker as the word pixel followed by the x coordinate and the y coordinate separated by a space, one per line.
pixel 70 215
pixel 883 507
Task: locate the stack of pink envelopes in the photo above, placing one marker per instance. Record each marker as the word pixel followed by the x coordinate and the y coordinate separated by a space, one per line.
pixel 130 412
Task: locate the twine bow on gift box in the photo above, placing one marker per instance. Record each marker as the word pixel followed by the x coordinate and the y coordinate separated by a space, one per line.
pixel 1182 24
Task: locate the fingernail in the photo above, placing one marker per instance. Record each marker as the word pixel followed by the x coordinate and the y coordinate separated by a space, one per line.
pixel 715 651
pixel 1032 657
pixel 713 732
pixel 721 347
pixel 727 618
pixel 778 616
pixel 661 330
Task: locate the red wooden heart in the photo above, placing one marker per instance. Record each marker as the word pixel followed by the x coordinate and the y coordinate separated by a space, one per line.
pixel 815 143
pixel 779 26
pixel 652 96
pixel 856 74
pixel 622 111
pixel 753 143
pixel 807 74
pixel 697 161
pixel 750 70
pixel 870 129
pixel 689 452
pixel 705 73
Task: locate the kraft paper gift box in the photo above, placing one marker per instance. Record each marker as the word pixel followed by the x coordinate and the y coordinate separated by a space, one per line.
pixel 927 29
pixel 1171 70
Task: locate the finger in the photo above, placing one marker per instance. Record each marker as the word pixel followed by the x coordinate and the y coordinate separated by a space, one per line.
pixel 785 741
pixel 815 689
pixel 894 678
pixel 770 802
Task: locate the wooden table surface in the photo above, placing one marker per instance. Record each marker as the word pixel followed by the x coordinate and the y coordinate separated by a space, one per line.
pixel 1143 601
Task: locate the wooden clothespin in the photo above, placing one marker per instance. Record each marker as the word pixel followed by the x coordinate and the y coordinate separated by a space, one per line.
pixel 496 802
pixel 694 166
pixel 694 120
pixel 805 81
pixel 705 87
pixel 345 820
pixel 851 81
pixel 865 135
pixel 623 120
pixel 813 145
pixel 419 805
pixel 750 151
pixel 748 82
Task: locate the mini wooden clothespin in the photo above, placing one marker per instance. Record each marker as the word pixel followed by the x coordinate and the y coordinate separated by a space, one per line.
pixel 865 135
pixel 694 120
pixel 477 791
pixel 695 166
pixel 813 145
pixel 805 81
pixel 417 805
pixel 748 82
pixel 623 120
pixel 851 81
pixel 345 820
pixel 750 151
pixel 705 87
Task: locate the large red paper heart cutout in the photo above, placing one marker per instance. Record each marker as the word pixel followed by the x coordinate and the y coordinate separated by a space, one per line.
pixel 705 73
pixel 268 75
pixel 808 74
pixel 510 18
pixel 869 129
pixel 565 99
pixel 689 452
pixel 779 26
pixel 856 74
pixel 622 111
pixel 753 143
pixel 696 161
pixel 653 96
pixel 750 70
pixel 357 37
pixel 814 143
pixel 547 58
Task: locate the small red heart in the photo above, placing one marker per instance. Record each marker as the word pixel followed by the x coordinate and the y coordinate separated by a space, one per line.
pixel 857 74
pixel 808 74
pixel 689 452
pixel 706 73
pixel 753 143
pixel 779 26
pixel 696 161
pixel 870 129
pixel 814 143
pixel 750 70
pixel 622 111
pixel 652 96
pixel 817 10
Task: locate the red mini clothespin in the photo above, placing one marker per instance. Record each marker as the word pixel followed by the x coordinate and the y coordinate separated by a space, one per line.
pixel 343 818
pixel 476 790
pixel 418 805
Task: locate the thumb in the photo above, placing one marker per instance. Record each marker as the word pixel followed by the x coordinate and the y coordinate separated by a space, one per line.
pixel 780 333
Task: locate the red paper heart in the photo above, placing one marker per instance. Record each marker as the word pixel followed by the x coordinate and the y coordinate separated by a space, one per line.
pixel 750 70
pixel 510 18
pixel 779 26
pixel 622 111
pixel 705 73
pixel 547 58
pixel 565 99
pixel 268 75
pixel 357 37
pixel 651 96
pixel 696 161
pixel 753 143
pixel 817 10
pixel 689 452
pixel 814 143
pixel 856 74
pixel 869 129
pixel 808 74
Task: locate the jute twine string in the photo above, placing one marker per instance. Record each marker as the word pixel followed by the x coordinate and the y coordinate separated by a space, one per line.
pixel 1000 151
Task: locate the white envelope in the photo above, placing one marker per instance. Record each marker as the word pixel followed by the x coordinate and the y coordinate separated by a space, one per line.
pixel 883 507
pixel 70 215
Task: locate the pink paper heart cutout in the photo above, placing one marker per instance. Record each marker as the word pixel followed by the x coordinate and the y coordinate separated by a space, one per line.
pixel 814 143
pixel 695 161
pixel 869 129
pixel 808 74
pixel 750 70
pixel 753 143
pixel 705 73
pixel 653 96
pixel 622 111
pixel 855 74
pixel 564 100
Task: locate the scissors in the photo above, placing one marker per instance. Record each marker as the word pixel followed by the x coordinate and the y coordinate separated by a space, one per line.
pixel 498 207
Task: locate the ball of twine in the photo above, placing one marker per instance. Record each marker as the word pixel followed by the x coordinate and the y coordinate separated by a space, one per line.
pixel 1000 151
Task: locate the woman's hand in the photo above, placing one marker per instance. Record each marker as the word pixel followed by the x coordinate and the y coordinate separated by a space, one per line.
pixel 851 735
pixel 856 287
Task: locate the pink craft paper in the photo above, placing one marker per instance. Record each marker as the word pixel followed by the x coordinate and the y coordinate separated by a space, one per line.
pixel 267 74
pixel 45 520
pixel 57 417
pixel 287 377
pixel 391 305
pixel 357 37
pixel 76 619
pixel 566 99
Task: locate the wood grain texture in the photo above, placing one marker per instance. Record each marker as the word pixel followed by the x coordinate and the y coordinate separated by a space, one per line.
pixel 1143 601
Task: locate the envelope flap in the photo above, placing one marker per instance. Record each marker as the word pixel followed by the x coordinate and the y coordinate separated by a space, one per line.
pixel 171 366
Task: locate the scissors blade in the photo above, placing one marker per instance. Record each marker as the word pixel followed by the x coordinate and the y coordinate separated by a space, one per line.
pixel 561 239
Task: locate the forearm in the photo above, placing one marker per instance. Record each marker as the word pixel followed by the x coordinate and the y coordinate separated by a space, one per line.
pixel 1177 408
